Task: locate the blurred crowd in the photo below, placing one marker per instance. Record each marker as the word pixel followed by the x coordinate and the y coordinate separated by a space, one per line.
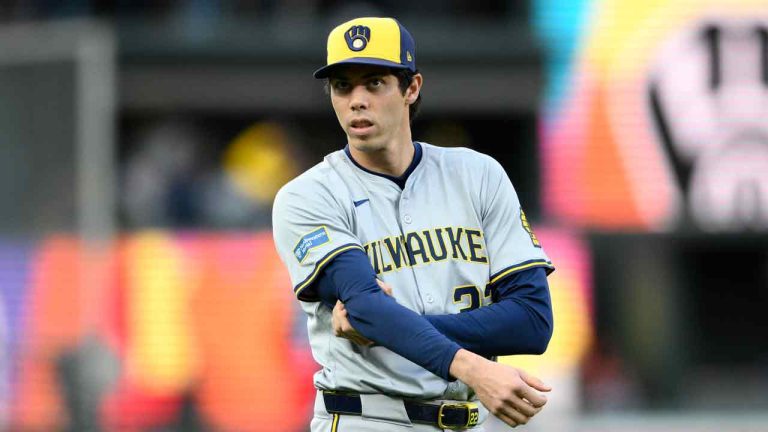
pixel 47 9
pixel 176 175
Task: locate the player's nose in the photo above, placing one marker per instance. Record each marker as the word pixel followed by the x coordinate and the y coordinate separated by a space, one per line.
pixel 359 98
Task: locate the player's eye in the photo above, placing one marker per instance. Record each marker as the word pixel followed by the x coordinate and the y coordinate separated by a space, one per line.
pixel 340 85
pixel 376 83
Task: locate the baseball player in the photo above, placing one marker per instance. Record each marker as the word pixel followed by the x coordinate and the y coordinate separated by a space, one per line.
pixel 442 227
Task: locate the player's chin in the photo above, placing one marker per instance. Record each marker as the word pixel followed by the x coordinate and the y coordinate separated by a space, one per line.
pixel 367 147
pixel 364 143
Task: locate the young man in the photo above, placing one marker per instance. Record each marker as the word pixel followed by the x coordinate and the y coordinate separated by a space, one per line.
pixel 442 226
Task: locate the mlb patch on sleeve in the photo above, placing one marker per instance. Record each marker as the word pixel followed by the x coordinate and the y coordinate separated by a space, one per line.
pixel 309 241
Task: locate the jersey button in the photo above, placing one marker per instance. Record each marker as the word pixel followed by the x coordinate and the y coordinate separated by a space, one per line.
pixel 407 219
pixel 429 298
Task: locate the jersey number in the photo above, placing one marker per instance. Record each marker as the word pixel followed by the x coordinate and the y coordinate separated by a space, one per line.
pixel 472 293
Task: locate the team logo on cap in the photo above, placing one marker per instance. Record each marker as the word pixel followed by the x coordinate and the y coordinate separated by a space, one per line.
pixel 357 37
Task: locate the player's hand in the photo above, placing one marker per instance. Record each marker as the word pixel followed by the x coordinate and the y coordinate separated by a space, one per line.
pixel 342 328
pixel 340 321
pixel 387 288
pixel 509 393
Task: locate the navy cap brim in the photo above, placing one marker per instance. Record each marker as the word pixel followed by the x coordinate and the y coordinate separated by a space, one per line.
pixel 325 71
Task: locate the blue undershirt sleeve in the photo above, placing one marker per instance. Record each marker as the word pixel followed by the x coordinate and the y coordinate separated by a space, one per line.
pixel 377 316
pixel 518 322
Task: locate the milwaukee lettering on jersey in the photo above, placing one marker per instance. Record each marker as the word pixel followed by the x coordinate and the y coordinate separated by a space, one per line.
pixel 426 247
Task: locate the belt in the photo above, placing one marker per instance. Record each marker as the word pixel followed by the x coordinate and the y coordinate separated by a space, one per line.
pixel 447 415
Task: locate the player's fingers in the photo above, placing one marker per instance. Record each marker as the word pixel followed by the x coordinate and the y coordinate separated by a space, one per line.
pixel 338 329
pixel 534 381
pixel 339 320
pixel 346 326
pixel 525 408
pixel 536 399
pixel 336 319
pixel 339 306
pixel 360 340
pixel 517 416
pixel 356 337
pixel 507 419
pixel 339 311
pixel 387 288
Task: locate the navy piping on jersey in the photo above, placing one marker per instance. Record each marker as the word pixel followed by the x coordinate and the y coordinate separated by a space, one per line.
pixel 400 181
pixel 322 262
pixel 521 266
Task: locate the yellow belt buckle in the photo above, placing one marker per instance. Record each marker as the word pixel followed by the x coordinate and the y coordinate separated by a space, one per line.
pixel 473 415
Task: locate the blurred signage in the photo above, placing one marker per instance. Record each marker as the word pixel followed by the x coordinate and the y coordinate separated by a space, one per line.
pixel 157 330
pixel 657 116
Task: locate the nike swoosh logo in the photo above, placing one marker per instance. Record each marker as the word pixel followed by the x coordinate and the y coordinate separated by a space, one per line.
pixel 361 202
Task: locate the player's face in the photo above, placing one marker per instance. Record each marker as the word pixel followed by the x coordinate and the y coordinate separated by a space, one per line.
pixel 370 107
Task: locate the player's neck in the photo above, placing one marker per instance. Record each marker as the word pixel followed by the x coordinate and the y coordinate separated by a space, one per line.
pixel 392 160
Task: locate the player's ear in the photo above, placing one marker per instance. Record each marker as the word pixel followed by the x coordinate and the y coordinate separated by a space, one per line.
pixel 412 92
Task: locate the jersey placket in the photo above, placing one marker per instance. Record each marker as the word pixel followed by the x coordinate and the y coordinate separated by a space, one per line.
pixel 407 223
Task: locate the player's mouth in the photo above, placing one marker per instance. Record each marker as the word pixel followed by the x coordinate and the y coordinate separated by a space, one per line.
pixel 360 126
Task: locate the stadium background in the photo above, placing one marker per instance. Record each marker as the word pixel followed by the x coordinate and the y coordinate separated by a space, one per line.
pixel 141 144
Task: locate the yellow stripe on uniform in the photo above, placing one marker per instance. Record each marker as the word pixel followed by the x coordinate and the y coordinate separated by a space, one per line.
pixel 520 267
pixel 320 266
pixel 335 424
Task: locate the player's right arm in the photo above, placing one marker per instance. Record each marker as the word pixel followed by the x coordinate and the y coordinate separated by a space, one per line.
pixel 509 393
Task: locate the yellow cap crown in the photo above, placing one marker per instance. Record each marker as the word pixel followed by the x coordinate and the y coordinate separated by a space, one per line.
pixel 368 40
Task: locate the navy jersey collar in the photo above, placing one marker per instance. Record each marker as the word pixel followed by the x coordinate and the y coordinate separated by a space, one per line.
pixel 400 181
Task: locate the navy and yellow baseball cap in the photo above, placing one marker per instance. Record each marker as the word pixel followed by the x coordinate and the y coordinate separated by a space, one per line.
pixel 370 41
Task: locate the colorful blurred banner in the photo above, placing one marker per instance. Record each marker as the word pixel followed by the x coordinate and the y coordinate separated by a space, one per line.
pixel 194 331
pixel 656 113
pixel 570 289
pixel 191 331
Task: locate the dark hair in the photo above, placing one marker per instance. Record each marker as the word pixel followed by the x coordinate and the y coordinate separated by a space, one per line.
pixel 404 78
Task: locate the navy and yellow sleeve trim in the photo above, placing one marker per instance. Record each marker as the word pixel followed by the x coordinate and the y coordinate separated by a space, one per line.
pixel 522 266
pixel 322 262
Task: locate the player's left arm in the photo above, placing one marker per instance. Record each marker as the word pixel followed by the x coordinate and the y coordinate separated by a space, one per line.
pixel 518 322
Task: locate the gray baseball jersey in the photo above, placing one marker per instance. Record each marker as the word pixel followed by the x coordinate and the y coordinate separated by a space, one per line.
pixel 454 228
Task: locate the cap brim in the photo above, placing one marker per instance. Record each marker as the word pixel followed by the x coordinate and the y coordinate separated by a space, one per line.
pixel 325 71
